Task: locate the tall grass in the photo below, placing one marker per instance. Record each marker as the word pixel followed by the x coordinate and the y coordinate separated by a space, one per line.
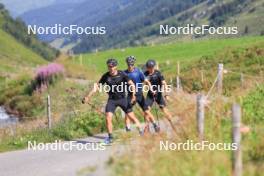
pixel 146 158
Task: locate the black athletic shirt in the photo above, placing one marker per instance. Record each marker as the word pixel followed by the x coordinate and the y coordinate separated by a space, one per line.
pixel 113 81
pixel 155 79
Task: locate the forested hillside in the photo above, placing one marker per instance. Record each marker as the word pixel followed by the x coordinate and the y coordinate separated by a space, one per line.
pixel 81 13
pixel 122 18
pixel 244 14
pixel 136 22
pixel 123 26
pixel 144 28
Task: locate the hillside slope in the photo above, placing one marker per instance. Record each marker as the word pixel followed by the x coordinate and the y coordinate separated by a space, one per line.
pixel 244 14
pixel 15 57
pixel 17 68
pixel 18 30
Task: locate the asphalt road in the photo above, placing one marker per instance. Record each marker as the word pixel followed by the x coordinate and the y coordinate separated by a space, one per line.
pixel 57 163
pixel 65 163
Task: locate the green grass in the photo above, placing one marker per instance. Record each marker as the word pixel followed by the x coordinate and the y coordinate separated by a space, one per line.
pixel 14 54
pixel 181 51
pixel 72 126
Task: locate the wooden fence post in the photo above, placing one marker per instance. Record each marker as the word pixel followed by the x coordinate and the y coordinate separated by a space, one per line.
pixel 178 80
pixel 220 78
pixel 49 111
pixel 171 82
pixel 178 84
pixel 200 116
pixel 242 80
pixel 178 68
pixel 236 138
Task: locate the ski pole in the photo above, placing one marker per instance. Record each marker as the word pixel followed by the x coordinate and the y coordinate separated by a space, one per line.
pixel 169 119
pixel 182 129
pixel 156 109
pixel 93 106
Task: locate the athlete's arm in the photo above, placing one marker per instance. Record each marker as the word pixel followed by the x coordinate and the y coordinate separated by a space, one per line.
pixel 164 84
pixel 131 85
pixel 148 83
pixel 133 89
pixel 87 97
pixel 165 88
pixel 95 89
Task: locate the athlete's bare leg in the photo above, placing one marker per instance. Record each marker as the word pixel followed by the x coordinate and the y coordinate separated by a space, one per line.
pixel 134 119
pixel 127 123
pixel 109 125
pixel 168 116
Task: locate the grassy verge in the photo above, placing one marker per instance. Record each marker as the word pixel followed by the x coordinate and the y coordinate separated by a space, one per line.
pixel 18 97
pixel 71 127
pixel 146 158
pixel 249 61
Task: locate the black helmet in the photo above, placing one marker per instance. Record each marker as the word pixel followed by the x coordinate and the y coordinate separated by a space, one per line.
pixel 150 63
pixel 112 62
pixel 130 60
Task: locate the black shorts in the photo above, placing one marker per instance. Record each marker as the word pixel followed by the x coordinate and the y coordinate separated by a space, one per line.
pixel 112 104
pixel 159 100
pixel 140 99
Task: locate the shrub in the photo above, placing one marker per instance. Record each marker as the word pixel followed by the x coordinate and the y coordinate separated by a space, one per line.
pixel 47 75
pixel 79 125
pixel 26 105
pixel 253 105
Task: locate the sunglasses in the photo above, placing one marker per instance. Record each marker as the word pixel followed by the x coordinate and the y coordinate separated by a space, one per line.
pixel 111 66
pixel 149 67
pixel 130 64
